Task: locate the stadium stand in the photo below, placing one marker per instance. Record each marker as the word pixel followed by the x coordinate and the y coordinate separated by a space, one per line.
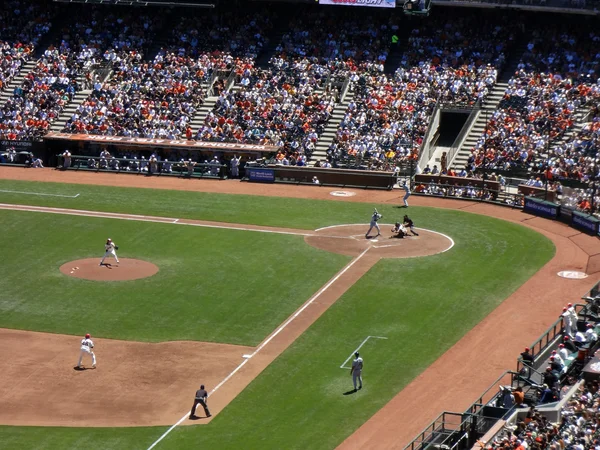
pixel 341 88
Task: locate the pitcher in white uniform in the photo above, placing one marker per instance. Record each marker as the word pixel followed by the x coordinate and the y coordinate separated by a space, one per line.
pixel 110 248
pixel 87 346
pixel 356 371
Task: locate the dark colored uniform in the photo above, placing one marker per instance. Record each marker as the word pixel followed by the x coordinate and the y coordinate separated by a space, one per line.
pixel 408 223
pixel 550 378
pixel 570 346
pixel 528 362
pixel 201 396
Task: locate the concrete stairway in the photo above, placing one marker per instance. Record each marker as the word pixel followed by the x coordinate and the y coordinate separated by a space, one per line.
pixel 326 139
pixel 478 127
pixel 198 118
pixel 70 108
pixel 490 105
pixel 209 103
pixel 8 90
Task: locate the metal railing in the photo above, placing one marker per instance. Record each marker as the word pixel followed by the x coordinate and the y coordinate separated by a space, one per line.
pixel 473 193
pixel 439 432
pixel 550 336
pixel 143 166
pixel 344 89
pixel 230 80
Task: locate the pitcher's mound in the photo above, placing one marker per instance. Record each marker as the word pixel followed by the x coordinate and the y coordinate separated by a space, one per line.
pixel 126 269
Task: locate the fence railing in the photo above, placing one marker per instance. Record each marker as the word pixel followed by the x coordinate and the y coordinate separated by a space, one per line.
pixel 474 193
pixel 344 89
pixel 438 432
pixel 230 80
pixel 144 166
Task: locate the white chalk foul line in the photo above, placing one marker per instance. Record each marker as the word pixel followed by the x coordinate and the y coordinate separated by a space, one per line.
pixel 343 366
pixel 270 338
pixel 140 218
pixel 39 193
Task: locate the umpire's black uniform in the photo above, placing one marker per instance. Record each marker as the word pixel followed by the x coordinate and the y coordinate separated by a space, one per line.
pixel 201 397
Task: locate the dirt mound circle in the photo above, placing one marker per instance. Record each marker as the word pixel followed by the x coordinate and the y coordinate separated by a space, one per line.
pixel 350 240
pixel 125 270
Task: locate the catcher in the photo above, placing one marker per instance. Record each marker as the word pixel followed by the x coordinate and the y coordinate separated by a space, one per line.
pixel 399 231
pixel 110 248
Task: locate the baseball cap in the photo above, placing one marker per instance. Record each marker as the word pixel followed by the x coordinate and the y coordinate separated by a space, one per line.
pixel 87 335
pixel 527 349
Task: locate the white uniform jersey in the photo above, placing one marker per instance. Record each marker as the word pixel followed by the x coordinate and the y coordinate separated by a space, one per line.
pixel 357 365
pixel 87 344
pixel 109 246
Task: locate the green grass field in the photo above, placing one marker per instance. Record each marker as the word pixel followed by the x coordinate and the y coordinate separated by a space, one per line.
pixel 297 401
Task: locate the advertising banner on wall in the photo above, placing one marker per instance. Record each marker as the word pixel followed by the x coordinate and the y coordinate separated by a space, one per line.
pixel 371 3
pixel 584 222
pixel 261 175
pixel 541 208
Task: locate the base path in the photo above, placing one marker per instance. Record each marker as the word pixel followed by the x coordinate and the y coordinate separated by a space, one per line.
pixel 125 270
pixel 466 369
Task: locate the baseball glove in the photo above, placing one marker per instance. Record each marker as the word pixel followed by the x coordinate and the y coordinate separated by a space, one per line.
pixel 116 247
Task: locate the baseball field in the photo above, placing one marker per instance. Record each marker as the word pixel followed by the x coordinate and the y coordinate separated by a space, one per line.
pixel 263 299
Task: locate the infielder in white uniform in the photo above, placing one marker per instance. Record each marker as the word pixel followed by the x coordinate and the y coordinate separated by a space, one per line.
pixel 356 371
pixel 406 193
pixel 87 346
pixel 110 248
pixel 374 218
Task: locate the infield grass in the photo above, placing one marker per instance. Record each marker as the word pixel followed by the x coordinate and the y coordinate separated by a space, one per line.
pixel 213 285
pixel 423 306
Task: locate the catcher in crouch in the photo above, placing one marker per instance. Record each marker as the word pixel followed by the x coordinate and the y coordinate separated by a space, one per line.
pixel 110 248
pixel 399 231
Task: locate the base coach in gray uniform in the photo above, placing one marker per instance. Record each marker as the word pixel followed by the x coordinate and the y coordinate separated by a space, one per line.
pixel 201 399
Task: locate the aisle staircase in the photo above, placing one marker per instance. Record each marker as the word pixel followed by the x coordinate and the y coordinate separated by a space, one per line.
pixel 8 90
pixel 328 135
pixel 71 107
pixel 487 110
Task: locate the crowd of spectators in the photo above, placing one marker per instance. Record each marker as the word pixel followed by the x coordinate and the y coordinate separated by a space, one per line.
pixel 452 58
pixel 158 99
pixel 23 25
pixel 577 429
pixel 455 61
pixel 557 74
pixel 61 70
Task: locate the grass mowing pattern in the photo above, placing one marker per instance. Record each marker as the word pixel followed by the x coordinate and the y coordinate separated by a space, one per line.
pixel 271 211
pixel 423 305
pixel 205 290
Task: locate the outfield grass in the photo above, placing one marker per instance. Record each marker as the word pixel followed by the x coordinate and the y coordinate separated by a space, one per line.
pixel 205 290
pixel 423 306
